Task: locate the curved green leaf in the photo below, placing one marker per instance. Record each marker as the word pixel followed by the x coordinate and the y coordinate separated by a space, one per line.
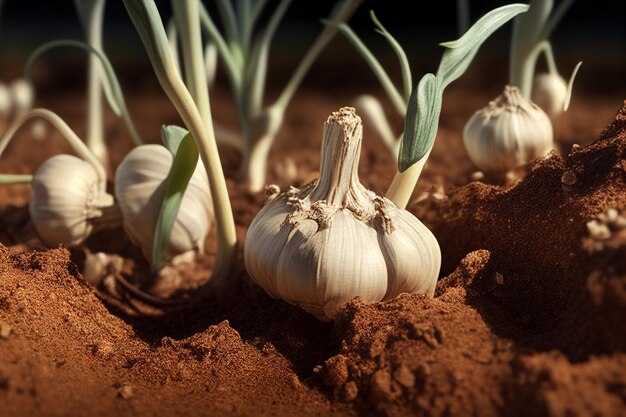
pixel 424 107
pixel 420 125
pixel 460 52
pixel 110 85
pixel 172 136
pixel 183 166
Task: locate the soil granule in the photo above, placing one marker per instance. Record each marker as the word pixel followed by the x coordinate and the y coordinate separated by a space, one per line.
pixel 528 318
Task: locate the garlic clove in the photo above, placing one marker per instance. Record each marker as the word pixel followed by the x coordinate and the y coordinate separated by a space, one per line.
pixel 411 239
pixel 66 201
pixel 139 187
pixel 509 132
pixel 264 263
pixel 333 240
pixel 549 93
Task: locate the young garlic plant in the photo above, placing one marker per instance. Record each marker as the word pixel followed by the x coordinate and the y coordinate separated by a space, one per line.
pixel 333 240
pixel 101 78
pixel 69 199
pixel 531 33
pixel 91 14
pixel 512 130
pixel 193 106
pixel 420 106
pixel 141 184
pixel 244 50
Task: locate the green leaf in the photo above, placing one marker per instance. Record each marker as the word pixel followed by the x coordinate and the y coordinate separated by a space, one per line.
pixel 172 136
pixel 570 86
pixel 460 52
pixel 183 166
pixel 405 69
pixel 422 117
pixel 424 107
pixel 110 83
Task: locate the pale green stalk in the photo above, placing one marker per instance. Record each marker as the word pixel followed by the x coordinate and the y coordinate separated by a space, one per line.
pixel 246 61
pixel 398 101
pixel 405 69
pixel 77 145
pixel 110 83
pixel 341 13
pixel 187 15
pixel 15 179
pixel 147 21
pixel 403 183
pixel 172 38
pixel 424 106
pixel 530 37
pixel 95 129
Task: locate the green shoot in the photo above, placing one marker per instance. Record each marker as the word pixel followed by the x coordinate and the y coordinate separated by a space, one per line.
pixel 531 33
pixel 244 50
pixel 185 154
pixel 422 108
pixel 145 16
pixel 112 88
pixel 15 179
pixel 91 13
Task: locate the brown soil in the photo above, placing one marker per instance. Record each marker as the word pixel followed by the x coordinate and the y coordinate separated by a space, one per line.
pixel 528 318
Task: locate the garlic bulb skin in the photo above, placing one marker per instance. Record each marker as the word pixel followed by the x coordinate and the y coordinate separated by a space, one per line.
pixel 549 93
pixel 509 132
pixel 333 240
pixel 66 201
pixel 139 188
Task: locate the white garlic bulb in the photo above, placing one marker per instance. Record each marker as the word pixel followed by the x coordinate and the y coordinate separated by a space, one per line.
pixel 510 132
pixel 550 93
pixel 334 240
pixel 139 188
pixel 67 202
pixel 23 95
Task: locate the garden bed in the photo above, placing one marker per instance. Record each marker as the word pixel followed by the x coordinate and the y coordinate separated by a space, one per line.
pixel 527 318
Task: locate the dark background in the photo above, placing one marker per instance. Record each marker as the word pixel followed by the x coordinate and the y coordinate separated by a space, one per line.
pixel 592 31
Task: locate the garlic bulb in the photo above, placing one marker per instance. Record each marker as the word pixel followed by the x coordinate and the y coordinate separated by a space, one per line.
pixel 139 188
pixel 333 240
pixel 510 132
pixel 23 95
pixel 67 202
pixel 550 93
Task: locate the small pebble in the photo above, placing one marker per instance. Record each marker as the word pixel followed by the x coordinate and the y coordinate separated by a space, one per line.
pixel 5 330
pixel 125 391
pixel 404 376
pixel 499 278
pixel 477 176
pixel 568 178
pixel 350 392
pixel 598 231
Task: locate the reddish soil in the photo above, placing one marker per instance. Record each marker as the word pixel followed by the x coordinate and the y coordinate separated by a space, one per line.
pixel 528 318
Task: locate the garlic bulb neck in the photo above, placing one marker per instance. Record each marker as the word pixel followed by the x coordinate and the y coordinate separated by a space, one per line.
pixel 339 183
pixel 511 100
